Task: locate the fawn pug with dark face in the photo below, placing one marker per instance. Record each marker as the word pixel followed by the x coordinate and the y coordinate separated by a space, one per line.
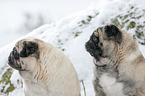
pixel 44 69
pixel 119 65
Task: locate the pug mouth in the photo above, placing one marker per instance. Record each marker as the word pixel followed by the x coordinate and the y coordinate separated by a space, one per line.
pixel 14 60
pixel 94 50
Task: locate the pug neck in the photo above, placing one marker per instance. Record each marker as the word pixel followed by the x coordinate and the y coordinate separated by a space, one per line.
pixel 103 61
pixel 126 48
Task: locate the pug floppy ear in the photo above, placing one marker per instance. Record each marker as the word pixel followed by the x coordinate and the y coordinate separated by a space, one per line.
pixel 28 49
pixel 113 32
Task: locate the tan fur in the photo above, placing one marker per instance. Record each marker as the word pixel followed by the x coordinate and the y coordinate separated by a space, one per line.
pixel 130 61
pixel 51 75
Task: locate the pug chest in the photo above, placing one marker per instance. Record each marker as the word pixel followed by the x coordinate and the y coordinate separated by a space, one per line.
pixel 110 85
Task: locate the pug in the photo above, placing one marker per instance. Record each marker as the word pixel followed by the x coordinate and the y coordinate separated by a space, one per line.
pixel 119 65
pixel 44 69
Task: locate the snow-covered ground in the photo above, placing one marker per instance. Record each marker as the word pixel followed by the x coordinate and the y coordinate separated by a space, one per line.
pixel 70 34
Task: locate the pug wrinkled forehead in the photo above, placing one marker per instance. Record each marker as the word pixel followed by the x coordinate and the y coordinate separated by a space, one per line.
pixel 22 50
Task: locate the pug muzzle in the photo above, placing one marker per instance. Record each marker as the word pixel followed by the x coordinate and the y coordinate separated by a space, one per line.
pixel 92 46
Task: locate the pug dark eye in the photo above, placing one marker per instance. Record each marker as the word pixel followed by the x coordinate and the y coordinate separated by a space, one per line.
pixel 95 39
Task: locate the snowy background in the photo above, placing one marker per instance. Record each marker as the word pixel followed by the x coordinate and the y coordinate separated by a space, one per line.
pixel 66 24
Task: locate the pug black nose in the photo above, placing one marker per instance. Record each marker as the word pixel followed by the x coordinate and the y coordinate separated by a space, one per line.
pixel 90 45
pixel 16 54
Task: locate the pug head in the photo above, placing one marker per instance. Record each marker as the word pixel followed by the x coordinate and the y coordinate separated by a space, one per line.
pixel 103 41
pixel 24 55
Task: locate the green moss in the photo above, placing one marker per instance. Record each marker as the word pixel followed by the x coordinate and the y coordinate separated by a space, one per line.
pixel 116 22
pixel 76 34
pixel 132 7
pixel 59 40
pixel 63 49
pixel 5 81
pixel 131 25
pixel 139 34
pixel 125 17
pixel 87 20
pixel 132 20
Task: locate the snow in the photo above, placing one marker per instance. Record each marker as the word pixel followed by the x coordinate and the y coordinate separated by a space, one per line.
pixel 13 14
pixel 62 34
pixel 17 92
